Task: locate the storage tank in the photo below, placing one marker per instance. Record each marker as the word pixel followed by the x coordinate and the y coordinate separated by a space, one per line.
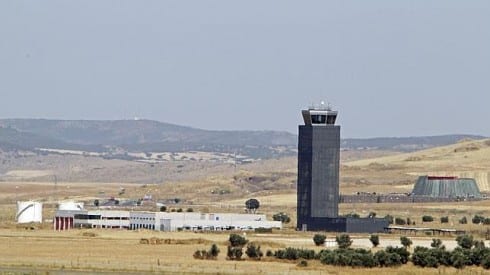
pixel 29 211
pixel 70 205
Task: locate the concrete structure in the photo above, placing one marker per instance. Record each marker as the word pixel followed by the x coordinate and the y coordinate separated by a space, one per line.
pixel 446 187
pixel 29 211
pixel 318 176
pixel 70 205
pixel 160 221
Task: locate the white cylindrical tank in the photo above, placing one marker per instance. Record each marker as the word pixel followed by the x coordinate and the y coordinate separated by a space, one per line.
pixel 29 211
pixel 70 205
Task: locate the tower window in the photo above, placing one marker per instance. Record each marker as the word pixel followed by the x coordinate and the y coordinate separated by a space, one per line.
pixel 318 119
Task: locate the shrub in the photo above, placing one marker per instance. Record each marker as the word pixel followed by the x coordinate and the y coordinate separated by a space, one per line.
pixel 212 254
pixel 237 240
pixel 401 251
pixel 319 239
pixel 214 251
pixel 465 241
pixel 372 215
pixel 486 221
pixel 486 262
pixel 427 218
pixel 343 241
pixel 445 219
pixel 234 253
pixel 291 253
pixel 282 217
pixel 253 251
pixel 374 240
pixel 436 243
pixel 405 241
pixel 459 259
pixel 385 259
pixel 477 219
pixel 303 263
pixel 190 210
pixel 463 220
pixel 423 257
pixel 269 253
pixel 163 208
pixel 400 221
pixel 352 215
pixel 179 210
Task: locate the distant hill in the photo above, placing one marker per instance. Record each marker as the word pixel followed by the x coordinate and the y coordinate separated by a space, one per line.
pixel 139 135
pixel 154 136
pixel 405 144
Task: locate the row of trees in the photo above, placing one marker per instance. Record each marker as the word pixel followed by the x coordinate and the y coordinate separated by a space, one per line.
pixel 477 219
pixel 469 252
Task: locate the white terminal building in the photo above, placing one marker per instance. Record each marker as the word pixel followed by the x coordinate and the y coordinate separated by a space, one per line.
pixel 159 221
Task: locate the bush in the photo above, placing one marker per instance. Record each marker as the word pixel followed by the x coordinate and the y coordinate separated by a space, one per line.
pixel 212 254
pixel 179 210
pixel 463 220
pixel 400 221
pixel 427 218
pixel 348 257
pixel 401 251
pixel 163 208
pixel 282 217
pixel 237 240
pixel 234 253
pixel 445 219
pixel 477 219
pixel 486 221
pixel 269 253
pixel 486 262
pixel 291 253
pixel 374 240
pixel 253 251
pixel 319 239
pixel 190 210
pixel 465 241
pixel 303 263
pixel 436 243
pixel 385 259
pixel 423 257
pixel 405 241
pixel 214 251
pixel 459 258
pixel 343 241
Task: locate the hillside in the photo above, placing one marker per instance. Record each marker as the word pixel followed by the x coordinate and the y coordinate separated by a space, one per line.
pixel 464 159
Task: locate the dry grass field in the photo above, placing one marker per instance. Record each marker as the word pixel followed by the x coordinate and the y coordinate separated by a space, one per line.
pixel 222 188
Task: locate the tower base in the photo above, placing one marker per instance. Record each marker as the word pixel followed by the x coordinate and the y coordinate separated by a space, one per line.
pixel 348 225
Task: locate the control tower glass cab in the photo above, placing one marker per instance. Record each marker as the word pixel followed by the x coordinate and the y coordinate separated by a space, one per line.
pixel 318 166
pixel 319 116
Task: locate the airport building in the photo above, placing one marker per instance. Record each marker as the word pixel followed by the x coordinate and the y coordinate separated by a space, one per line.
pixel 318 177
pixel 446 187
pixel 159 221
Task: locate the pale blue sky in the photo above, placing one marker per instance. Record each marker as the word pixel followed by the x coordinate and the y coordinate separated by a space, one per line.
pixel 391 68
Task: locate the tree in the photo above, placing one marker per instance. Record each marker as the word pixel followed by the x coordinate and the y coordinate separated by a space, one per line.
pixel 406 242
pixel 427 218
pixel 214 251
pixel 343 241
pixel 465 241
pixel 389 218
pixel 372 215
pixel 463 220
pixel 477 219
pixel 163 208
pixel 253 251
pixel 445 219
pixel 237 240
pixel 96 203
pixel 252 205
pixel 436 243
pixel 319 239
pixel 190 210
pixel 374 240
pixel 282 217
pixel 400 221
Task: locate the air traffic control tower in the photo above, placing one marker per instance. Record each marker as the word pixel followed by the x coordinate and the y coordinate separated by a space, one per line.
pixel 318 176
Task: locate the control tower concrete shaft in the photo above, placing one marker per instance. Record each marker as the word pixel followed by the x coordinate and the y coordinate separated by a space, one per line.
pixel 318 166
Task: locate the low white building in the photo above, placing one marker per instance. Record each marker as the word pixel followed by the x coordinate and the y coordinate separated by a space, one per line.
pixel 163 221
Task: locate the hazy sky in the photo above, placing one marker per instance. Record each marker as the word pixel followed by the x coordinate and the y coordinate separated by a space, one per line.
pixel 391 68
